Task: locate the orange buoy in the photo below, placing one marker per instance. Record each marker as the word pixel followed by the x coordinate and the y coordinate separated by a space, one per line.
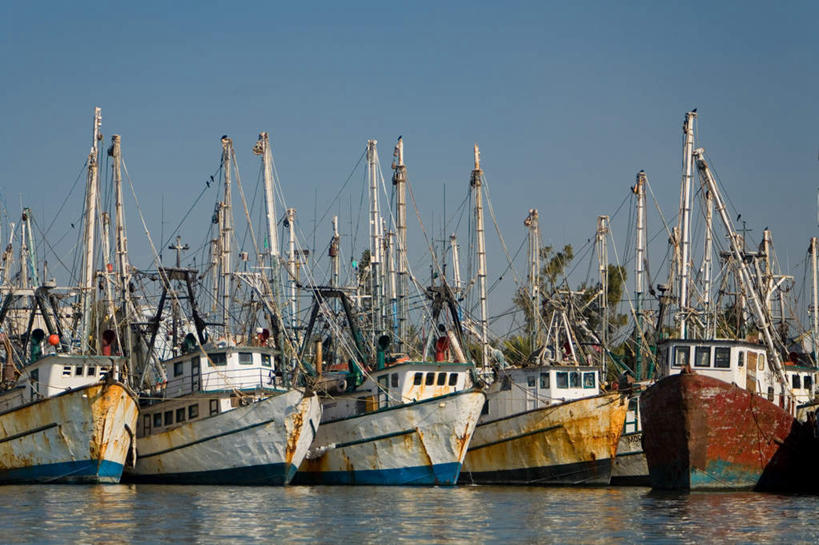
pixel 53 339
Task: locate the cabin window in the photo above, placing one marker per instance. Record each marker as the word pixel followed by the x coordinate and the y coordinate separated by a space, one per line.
pixel 530 381
pixel 214 406
pixel 544 380
pixel 574 379
pixel 562 379
pixel 762 362
pixel 741 359
pixel 418 379
pixel 394 380
pixel 770 393
pixel 265 360
pixel 808 382
pixel 146 424
pixel 218 358
pixel 702 356
pixel 441 379
pixel 246 358
pixel 178 368
pixel 796 381
pixel 430 379
pixel 722 357
pixel 588 380
pixel 453 379
pixel 506 384
pixel 681 355
pixel 180 415
pixel 193 412
pixel 485 409
pixel 78 370
pixel 168 418
pixel 157 420
pixel 67 371
pixel 91 371
pixel 361 405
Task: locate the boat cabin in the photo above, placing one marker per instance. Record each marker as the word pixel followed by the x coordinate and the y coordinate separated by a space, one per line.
pixel 53 374
pixel 400 383
pixel 738 362
pixel 204 383
pixel 521 389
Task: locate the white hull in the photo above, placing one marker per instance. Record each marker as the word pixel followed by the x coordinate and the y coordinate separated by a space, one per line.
pixel 80 436
pixel 419 443
pixel 260 443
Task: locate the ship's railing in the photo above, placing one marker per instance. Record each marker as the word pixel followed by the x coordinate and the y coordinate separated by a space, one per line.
pixel 220 380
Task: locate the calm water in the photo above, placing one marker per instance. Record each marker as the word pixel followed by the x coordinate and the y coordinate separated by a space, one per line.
pixel 206 514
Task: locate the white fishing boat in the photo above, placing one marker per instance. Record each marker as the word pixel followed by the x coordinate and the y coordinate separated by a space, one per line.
pixel 408 424
pixel 225 416
pixel 66 413
pixel 237 410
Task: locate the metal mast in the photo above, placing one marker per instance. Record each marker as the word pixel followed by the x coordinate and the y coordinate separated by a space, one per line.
pixel 262 148
pixel 706 266
pixel 87 287
pixel 815 307
pixel 119 219
pixel 532 223
pixel 476 182
pixel 375 237
pixel 399 180
pixel 334 249
pixel 744 274
pixel 640 191
pixel 456 263
pixel 685 218
pixel 389 258
pixel 603 267
pixel 226 232
pixel 291 266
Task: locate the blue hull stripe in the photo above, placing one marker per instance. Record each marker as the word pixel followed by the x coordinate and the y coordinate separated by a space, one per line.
pixel 85 471
pixel 268 474
pixel 438 474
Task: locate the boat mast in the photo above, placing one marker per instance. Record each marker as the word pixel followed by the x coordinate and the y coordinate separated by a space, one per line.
pixel 603 265
pixel 532 223
pixel 476 183
pixel 121 238
pixel 706 266
pixel 334 259
pixel 291 266
pixel 225 233
pixel 375 238
pixel 87 287
pixel 640 191
pixel 456 264
pixel 262 148
pixel 399 180
pixel 815 307
pixel 685 219
pixel 389 258
pixel 744 274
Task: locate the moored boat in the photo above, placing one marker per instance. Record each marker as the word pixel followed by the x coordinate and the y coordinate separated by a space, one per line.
pixel 408 424
pixel 546 425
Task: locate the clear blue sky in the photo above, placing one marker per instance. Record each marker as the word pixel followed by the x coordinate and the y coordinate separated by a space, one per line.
pixel 568 100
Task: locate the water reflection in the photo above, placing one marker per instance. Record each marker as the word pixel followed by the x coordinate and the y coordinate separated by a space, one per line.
pixel 200 514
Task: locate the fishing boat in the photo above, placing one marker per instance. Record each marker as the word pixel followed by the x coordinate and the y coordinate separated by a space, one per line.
pixel 546 425
pixel 724 414
pixel 401 422
pixel 236 410
pixel 67 414
pixel 226 416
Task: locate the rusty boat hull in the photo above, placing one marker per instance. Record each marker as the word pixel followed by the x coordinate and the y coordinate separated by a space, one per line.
pixel 703 433
pixel 261 443
pixel 420 443
pixel 571 443
pixel 84 435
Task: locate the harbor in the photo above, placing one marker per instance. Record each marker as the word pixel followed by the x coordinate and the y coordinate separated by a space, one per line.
pixel 444 313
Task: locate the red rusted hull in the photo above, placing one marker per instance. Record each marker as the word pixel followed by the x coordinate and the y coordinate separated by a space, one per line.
pixel 703 433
